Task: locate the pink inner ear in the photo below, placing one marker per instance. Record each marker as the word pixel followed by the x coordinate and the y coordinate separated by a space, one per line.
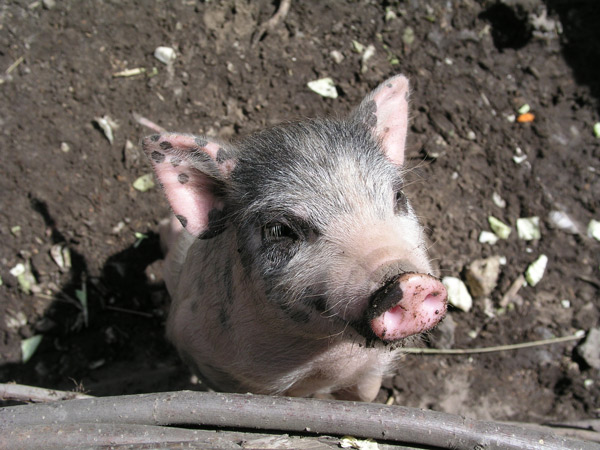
pixel 391 98
pixel 186 182
pixel 191 202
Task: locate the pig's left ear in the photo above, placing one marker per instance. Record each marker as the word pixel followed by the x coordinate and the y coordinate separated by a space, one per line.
pixel 193 171
pixel 385 111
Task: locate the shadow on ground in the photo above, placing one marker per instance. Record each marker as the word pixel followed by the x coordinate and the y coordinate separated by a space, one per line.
pixel 115 345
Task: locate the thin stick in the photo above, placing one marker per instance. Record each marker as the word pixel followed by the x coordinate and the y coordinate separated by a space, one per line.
pixel 129 311
pixel 273 22
pixel 14 65
pixel 497 348
pixel 22 393
pixel 148 123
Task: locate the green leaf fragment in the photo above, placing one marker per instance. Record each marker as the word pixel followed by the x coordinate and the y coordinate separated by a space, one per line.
pixel 140 237
pixel 499 228
pixel 358 47
pixel 597 129
pixel 524 109
pixel 408 37
pixel 29 346
pixel 144 183
pixel 528 228
pixel 535 271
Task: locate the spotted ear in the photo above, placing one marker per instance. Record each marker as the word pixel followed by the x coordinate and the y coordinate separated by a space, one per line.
pixel 385 111
pixel 193 172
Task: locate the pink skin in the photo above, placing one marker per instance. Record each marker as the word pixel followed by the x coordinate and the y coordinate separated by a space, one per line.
pixel 422 306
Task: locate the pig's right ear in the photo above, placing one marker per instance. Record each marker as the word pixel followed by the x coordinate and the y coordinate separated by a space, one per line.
pixel 193 172
pixel 385 112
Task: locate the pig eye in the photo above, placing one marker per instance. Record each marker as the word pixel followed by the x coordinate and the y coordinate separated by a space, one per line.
pixel 276 231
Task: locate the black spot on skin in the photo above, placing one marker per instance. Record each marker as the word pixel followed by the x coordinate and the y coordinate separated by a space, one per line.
pixel 216 224
pixel 155 137
pixel 201 142
pixel 390 85
pixel 157 157
pixel 297 315
pixel 222 156
pixel 165 145
pixel 370 114
pixel 386 129
pixel 183 178
pixel 182 219
pixel 199 156
pixel 320 303
pixel 175 161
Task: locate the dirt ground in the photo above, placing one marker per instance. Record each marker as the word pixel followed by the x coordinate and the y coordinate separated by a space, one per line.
pixel 472 65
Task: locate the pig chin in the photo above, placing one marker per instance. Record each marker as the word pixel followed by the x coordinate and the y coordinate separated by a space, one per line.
pixel 405 305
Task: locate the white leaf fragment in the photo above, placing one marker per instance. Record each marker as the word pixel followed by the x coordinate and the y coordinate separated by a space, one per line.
pixel 593 229
pixel 61 256
pixel 499 228
pixel 25 278
pixel 19 269
pixel 458 295
pixel 528 228
pixel 361 444
pixel 107 125
pixel 519 156
pixel 130 72
pixel 337 56
pixel 325 87
pixel 144 183
pixel 165 55
pixel 487 237
pixel 562 221
pixel 498 201
pixel 29 346
pixel 535 271
pixel 16 321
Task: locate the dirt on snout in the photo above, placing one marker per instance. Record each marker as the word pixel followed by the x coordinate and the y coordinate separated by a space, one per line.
pixel 503 106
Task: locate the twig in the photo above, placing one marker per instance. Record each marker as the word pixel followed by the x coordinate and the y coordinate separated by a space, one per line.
pixel 148 123
pixel 14 65
pixel 129 311
pixel 367 420
pixel 89 435
pixel 512 291
pixel 273 22
pixel 497 348
pixel 22 393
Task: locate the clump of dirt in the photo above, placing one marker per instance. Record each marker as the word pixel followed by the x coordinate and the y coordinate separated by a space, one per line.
pixel 472 65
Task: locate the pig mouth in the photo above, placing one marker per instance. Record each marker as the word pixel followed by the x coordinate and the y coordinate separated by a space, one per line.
pixel 405 305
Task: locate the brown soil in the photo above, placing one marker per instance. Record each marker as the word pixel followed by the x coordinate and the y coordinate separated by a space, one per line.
pixel 471 65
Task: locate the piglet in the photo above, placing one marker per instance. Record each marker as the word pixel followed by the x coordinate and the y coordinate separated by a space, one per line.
pixel 295 263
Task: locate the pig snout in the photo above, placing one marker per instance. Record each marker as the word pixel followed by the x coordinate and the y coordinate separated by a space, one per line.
pixel 407 304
